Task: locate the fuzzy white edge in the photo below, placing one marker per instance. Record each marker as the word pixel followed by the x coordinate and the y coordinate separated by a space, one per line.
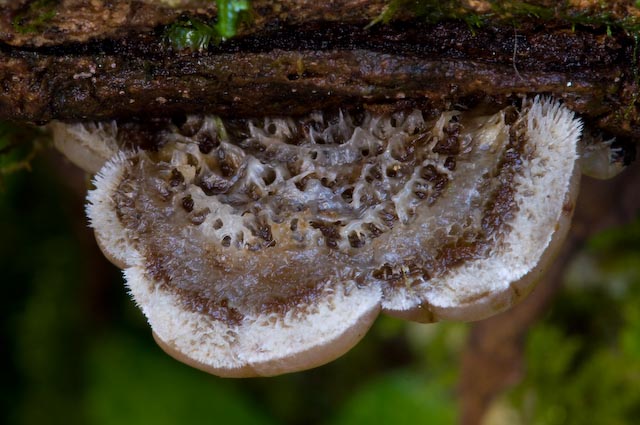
pixel 269 345
pixel 101 211
pixel 542 189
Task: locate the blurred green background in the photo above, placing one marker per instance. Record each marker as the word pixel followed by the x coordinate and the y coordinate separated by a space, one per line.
pixel 75 349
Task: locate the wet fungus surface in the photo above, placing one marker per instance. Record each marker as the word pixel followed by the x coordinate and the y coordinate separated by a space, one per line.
pixel 265 246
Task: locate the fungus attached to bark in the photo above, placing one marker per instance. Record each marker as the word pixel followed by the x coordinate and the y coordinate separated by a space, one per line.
pixel 87 145
pixel 260 247
pixel 603 159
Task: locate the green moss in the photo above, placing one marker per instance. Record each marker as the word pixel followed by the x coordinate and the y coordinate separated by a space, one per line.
pixel 195 34
pixel 517 10
pixel 509 11
pixel 191 34
pixel 229 12
pixel 35 18
pixel 432 11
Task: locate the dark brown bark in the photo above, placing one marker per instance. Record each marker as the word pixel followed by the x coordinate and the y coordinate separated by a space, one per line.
pixel 292 70
pixel 79 21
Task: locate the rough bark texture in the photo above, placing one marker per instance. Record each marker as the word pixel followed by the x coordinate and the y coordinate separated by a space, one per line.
pixel 79 21
pixel 98 59
pixel 84 20
pixel 292 70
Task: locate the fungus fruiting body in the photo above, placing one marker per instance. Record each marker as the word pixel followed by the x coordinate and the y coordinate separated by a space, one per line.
pixel 602 159
pixel 87 145
pixel 260 247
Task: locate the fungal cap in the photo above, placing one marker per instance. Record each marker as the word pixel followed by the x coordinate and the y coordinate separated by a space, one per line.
pixel 230 285
pixel 546 194
pixel 87 145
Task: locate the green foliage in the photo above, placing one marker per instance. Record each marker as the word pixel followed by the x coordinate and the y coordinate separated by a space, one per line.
pixel 228 14
pixel 400 398
pixel 615 244
pixel 42 307
pixel 129 383
pixel 35 18
pixel 19 145
pixel 430 10
pixel 191 34
pixel 420 392
pixel 196 34
pixel 583 361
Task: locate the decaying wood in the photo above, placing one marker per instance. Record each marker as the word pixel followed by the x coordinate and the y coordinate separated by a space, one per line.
pixel 99 59
pixel 81 21
pixel 293 70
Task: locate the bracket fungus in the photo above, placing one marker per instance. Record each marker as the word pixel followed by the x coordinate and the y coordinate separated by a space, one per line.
pixel 261 247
